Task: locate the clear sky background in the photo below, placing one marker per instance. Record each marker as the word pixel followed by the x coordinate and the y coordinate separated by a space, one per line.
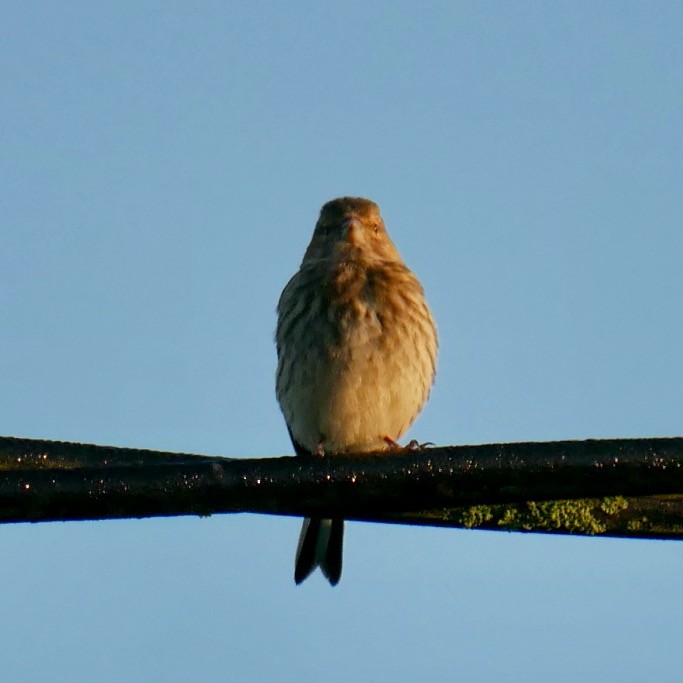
pixel 162 165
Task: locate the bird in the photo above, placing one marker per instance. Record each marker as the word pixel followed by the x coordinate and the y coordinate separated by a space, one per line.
pixel 356 347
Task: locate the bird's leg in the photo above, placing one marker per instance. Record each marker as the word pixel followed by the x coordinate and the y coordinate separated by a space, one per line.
pixel 414 445
pixel 320 453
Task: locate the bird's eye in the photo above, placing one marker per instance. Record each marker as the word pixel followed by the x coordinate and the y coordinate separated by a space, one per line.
pixel 375 227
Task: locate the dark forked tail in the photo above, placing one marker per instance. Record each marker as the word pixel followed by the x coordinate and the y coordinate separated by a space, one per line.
pixel 320 545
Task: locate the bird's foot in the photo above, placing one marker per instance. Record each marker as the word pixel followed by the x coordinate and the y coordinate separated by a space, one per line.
pixel 320 450
pixel 414 445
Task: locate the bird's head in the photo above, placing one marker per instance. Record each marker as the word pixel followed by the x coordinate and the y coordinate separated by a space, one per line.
pixel 350 229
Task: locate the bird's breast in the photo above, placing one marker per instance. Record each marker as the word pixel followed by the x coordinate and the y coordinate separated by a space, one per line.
pixel 357 360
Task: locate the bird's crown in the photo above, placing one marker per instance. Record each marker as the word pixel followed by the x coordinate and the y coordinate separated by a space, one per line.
pixel 346 205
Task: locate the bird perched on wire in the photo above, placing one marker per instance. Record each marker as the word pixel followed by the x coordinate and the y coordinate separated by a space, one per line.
pixel 356 346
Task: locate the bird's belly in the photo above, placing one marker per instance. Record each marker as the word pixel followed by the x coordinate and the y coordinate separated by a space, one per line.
pixel 369 406
pixel 350 397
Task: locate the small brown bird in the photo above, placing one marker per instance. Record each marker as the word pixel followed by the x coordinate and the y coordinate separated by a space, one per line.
pixel 356 346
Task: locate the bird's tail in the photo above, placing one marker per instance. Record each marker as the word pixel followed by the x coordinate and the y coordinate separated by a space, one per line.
pixel 320 545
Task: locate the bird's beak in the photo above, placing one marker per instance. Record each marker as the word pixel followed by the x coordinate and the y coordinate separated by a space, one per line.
pixel 352 229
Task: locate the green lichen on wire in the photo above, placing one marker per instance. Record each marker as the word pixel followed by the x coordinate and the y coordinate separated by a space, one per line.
pixel 638 524
pixel 584 516
pixel 476 515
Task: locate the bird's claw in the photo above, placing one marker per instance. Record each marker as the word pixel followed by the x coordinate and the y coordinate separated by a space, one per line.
pixel 414 445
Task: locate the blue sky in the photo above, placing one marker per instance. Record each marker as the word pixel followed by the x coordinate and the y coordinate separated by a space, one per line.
pixel 162 168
